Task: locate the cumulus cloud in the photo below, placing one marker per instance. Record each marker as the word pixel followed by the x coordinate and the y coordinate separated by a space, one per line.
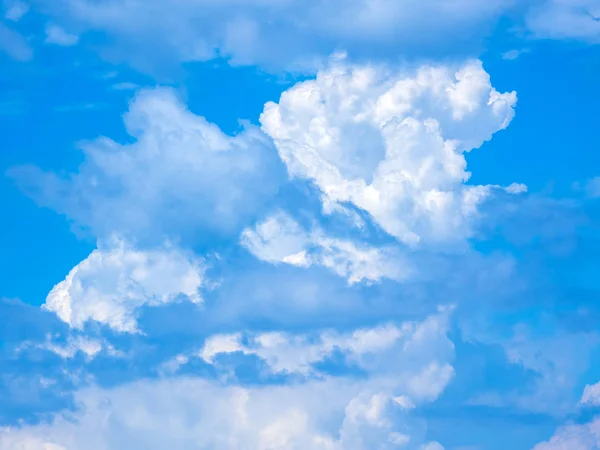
pixel 115 280
pixel 280 239
pixel 181 176
pixel 392 143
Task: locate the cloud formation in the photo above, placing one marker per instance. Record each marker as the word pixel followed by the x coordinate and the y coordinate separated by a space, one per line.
pixel 111 284
pixel 181 177
pixel 392 143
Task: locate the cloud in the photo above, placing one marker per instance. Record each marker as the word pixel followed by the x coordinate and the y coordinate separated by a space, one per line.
pixel 290 34
pixel 511 55
pixel 181 177
pixel 115 280
pixel 14 44
pixel 15 10
pixel 187 413
pixel 574 437
pixel 333 412
pixel 74 345
pixel 56 35
pixel 392 143
pixel 566 19
pixel 125 86
pixel 592 187
pixel 591 395
pixel 380 351
pixel 280 239
pixel 298 35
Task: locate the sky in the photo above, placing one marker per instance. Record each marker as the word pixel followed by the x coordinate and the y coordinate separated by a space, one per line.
pixel 312 225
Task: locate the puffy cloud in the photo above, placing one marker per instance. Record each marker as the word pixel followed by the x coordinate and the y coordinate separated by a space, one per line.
pixel 280 239
pixel 566 19
pixel 574 437
pixel 392 143
pixel 115 280
pixel 180 176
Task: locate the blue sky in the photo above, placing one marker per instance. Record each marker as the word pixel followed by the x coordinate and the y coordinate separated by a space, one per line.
pixel 299 225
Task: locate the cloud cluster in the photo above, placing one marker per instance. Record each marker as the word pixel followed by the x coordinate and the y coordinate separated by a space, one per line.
pixel 414 355
pixel 408 365
pixel 381 149
pixel 187 413
pixel 280 239
pixel 181 177
pixel 112 283
pixel 392 143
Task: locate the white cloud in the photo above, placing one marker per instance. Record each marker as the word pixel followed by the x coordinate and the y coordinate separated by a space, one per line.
pixel 566 19
pixel 318 413
pixel 58 36
pixel 74 345
pixel 188 413
pixel 591 395
pixel 296 354
pixel 392 143
pixel 181 176
pixel 574 437
pixel 280 239
pixel 421 349
pixel 115 280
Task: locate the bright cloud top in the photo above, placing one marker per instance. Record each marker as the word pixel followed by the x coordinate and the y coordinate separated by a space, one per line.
pixel 280 239
pixel 112 283
pixel 392 143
